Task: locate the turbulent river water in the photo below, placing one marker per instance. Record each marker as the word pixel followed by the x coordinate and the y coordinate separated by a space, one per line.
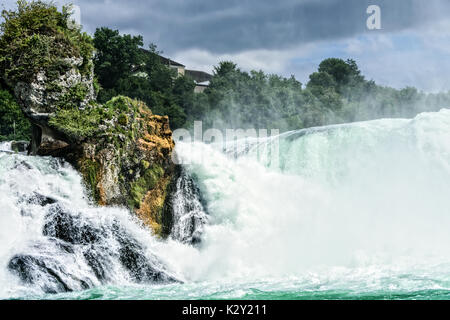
pixel 353 211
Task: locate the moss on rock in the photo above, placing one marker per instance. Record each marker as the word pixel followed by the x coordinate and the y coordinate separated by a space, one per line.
pixel 75 123
pixel 90 170
pixel 142 185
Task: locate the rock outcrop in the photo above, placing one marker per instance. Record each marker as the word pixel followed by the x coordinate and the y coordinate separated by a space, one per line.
pixel 126 158
pixel 121 149
pixel 45 95
pixel 19 146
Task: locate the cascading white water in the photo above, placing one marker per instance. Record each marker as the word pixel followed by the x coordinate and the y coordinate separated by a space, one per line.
pixel 189 216
pixel 374 192
pixel 362 207
pixel 52 240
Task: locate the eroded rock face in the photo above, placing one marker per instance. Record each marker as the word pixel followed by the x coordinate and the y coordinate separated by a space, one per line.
pixel 44 95
pixel 128 162
pixel 121 149
pixel 123 152
pixel 48 91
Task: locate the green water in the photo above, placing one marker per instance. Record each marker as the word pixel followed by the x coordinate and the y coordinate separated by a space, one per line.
pixel 420 282
pixel 249 291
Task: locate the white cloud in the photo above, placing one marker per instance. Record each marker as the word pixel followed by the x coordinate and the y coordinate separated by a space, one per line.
pixel 407 58
pixel 413 57
pixel 271 61
pixel 360 45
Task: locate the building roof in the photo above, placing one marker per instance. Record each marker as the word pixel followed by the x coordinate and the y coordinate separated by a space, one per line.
pixel 171 62
pixel 201 78
pixel 166 61
pixel 198 76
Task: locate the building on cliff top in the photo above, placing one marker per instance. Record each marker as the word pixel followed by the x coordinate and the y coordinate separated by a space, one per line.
pixel 200 78
pixel 180 68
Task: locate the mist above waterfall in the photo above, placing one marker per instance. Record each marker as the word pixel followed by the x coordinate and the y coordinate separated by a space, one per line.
pixel 346 195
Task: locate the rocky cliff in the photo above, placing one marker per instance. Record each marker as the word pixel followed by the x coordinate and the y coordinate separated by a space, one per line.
pixel 121 149
pixel 123 152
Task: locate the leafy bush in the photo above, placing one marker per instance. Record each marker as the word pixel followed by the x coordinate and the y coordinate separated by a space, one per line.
pixel 124 68
pixel 10 114
pixel 35 37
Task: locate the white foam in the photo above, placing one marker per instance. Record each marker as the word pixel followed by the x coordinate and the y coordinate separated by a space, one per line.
pixel 352 195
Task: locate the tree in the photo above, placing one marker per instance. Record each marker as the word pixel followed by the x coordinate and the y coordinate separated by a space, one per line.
pixel 338 69
pixel 224 68
pixel 320 80
pixel 123 67
pixel 345 74
pixel 13 124
pixel 36 37
pixel 117 56
pixel 183 91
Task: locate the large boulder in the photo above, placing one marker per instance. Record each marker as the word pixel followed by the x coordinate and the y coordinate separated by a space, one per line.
pixel 44 94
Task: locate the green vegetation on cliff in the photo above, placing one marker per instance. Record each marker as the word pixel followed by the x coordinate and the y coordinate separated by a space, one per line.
pixel 79 124
pixel 13 124
pixel 46 62
pixel 90 170
pixel 124 68
pixel 36 36
pixel 147 181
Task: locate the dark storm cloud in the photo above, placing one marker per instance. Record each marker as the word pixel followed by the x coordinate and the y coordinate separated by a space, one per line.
pixel 284 36
pixel 232 26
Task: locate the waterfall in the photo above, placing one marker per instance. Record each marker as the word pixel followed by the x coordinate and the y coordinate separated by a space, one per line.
pixel 189 216
pixel 360 207
pixel 337 196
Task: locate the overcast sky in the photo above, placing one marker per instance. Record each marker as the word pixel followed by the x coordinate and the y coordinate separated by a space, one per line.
pixel 290 36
